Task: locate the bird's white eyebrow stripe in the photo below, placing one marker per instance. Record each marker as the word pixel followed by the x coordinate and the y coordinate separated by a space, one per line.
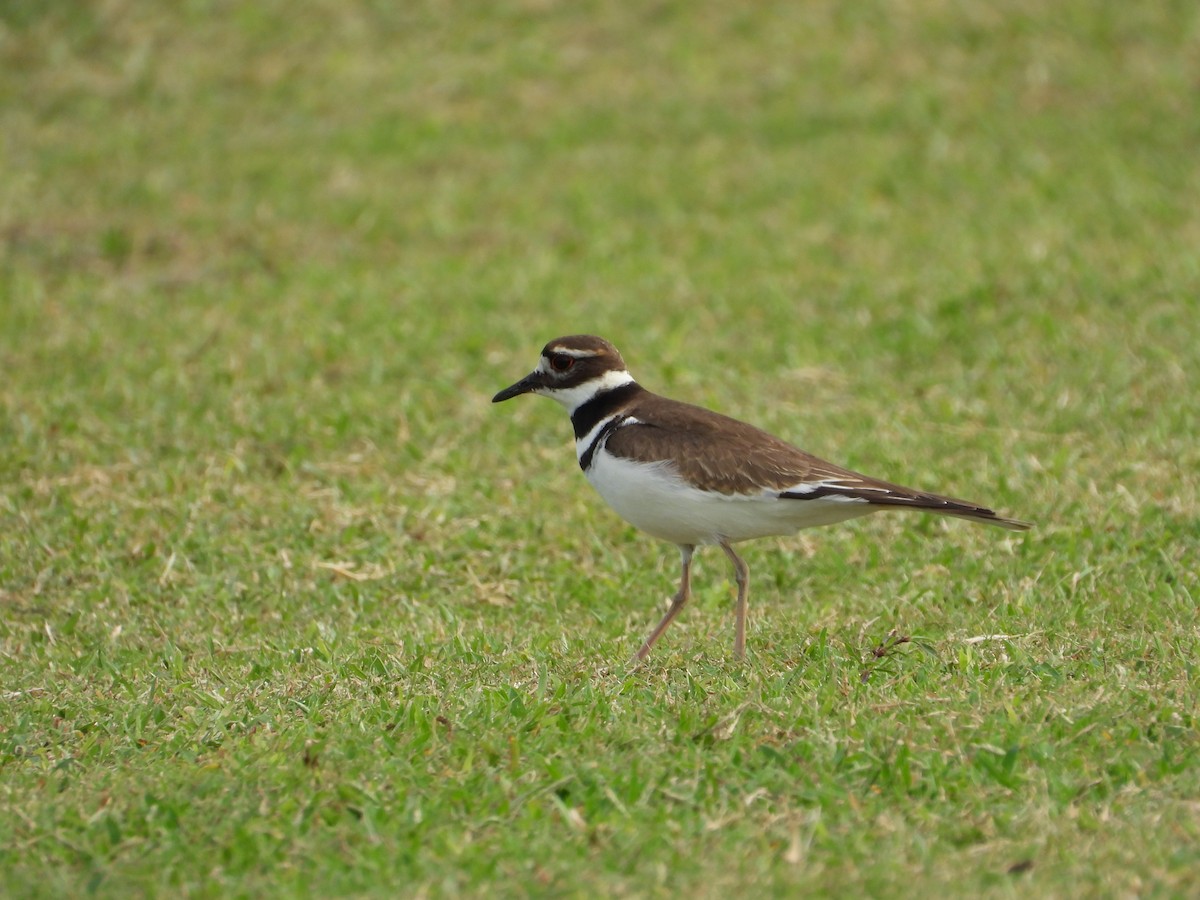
pixel 572 352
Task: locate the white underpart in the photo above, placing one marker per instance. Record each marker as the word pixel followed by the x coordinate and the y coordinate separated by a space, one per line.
pixel 574 397
pixel 654 498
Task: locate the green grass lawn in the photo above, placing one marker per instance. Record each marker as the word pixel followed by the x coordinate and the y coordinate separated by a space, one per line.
pixel 288 608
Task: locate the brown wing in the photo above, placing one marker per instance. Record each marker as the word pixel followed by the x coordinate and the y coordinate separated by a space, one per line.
pixel 732 457
pixel 729 456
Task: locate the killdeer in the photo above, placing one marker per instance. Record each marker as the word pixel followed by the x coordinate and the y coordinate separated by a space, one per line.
pixel 691 476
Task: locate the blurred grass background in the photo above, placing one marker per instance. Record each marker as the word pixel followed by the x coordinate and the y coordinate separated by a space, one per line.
pixel 289 607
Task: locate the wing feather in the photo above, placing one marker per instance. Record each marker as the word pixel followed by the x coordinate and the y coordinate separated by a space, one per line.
pixel 732 457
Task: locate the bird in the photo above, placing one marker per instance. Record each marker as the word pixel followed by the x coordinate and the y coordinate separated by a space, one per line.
pixel 694 477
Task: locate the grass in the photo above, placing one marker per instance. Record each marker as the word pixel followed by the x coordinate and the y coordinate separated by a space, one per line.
pixel 289 608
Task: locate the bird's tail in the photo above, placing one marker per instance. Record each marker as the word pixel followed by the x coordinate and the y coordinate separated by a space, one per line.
pixel 883 494
pixel 947 506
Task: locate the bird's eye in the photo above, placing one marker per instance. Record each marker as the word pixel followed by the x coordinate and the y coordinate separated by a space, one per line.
pixel 560 362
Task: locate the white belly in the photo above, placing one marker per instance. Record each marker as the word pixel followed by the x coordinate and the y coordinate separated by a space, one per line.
pixel 653 498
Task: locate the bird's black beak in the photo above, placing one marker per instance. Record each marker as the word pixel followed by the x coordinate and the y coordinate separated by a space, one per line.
pixel 530 382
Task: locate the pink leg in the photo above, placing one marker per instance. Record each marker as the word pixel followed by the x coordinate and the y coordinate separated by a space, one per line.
pixel 677 602
pixel 741 574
